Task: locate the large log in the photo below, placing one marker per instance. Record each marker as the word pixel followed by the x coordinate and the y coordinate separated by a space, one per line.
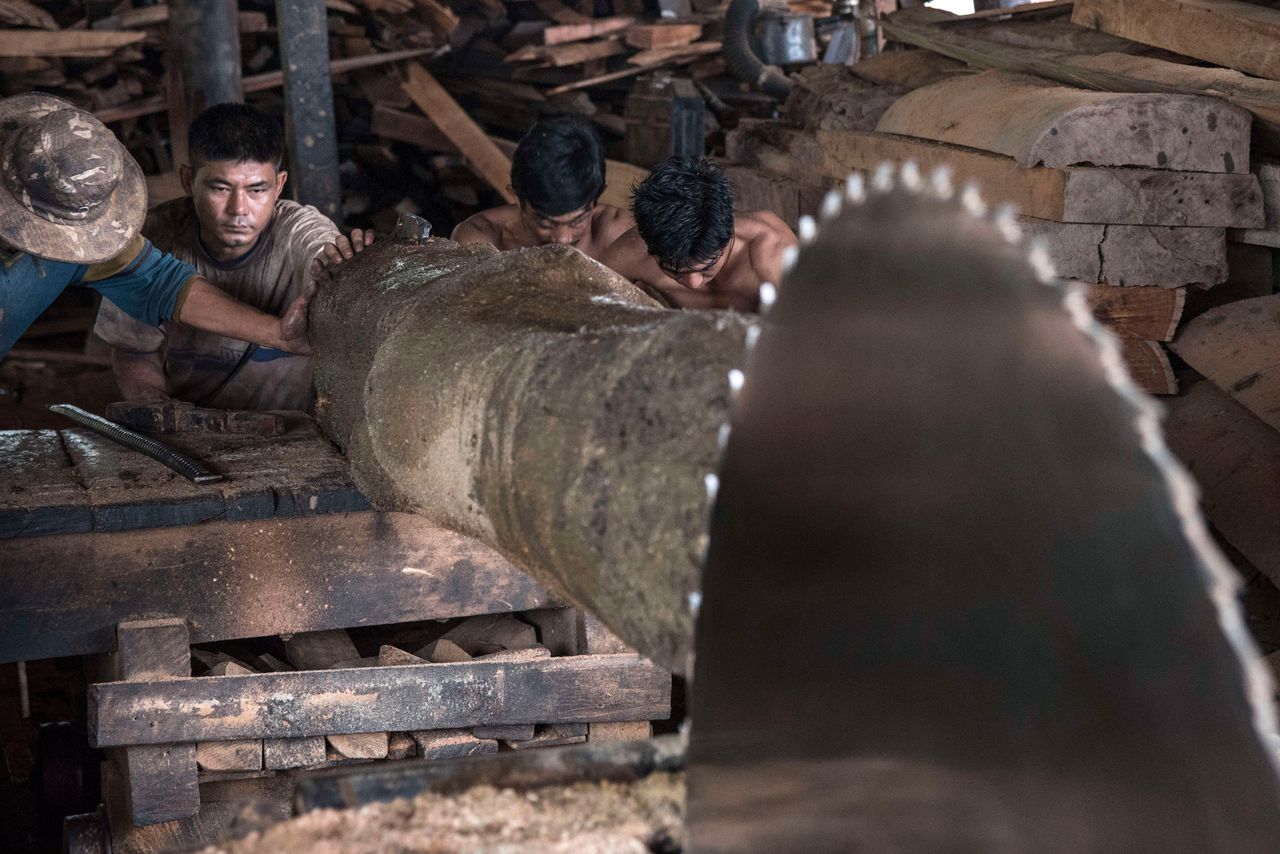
pixel 1133 254
pixel 1234 345
pixel 1036 121
pixel 540 403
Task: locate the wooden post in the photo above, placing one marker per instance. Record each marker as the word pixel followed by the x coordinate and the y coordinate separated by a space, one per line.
pixel 160 780
pixel 205 35
pixel 309 121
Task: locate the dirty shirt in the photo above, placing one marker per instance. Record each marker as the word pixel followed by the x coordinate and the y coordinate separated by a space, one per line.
pixel 209 369
pixel 147 285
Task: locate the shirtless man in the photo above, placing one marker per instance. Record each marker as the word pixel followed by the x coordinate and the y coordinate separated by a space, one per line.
pixel 689 250
pixel 557 175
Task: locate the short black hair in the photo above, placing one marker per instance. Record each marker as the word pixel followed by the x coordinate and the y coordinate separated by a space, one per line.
pixel 684 212
pixel 558 167
pixel 236 132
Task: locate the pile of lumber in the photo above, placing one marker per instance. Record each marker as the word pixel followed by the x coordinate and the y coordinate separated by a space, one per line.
pixel 494 68
pixel 1133 192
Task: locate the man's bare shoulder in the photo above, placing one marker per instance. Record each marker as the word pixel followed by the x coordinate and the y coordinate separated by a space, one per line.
pixel 764 225
pixel 626 251
pixel 494 226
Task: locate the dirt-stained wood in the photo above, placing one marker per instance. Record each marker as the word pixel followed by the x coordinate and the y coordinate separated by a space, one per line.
pixel 1235 458
pixel 68 43
pixel 159 779
pixel 39 490
pixel 360 745
pixel 241 755
pixel 247 579
pixel 1039 122
pixel 1133 254
pixel 1144 313
pixel 1236 346
pixel 452 744
pixel 605 733
pixel 283 753
pixel 1230 33
pixel 370 699
pixel 1072 194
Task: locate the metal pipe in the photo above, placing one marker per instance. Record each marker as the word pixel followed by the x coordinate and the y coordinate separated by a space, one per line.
pixel 161 453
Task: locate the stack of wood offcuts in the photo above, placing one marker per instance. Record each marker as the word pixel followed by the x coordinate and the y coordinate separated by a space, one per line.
pixel 1134 193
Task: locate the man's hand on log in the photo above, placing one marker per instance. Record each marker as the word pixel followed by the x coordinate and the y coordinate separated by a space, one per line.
pixel 341 249
pixel 295 325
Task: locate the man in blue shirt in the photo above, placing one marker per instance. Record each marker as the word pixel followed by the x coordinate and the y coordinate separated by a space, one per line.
pixel 72 202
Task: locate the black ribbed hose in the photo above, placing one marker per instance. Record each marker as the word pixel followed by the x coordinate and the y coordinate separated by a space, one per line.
pixel 742 60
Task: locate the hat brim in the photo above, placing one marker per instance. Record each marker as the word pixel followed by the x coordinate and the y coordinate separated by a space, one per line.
pixel 88 242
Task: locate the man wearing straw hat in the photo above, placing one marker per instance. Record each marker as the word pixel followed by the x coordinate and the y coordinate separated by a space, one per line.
pixel 72 202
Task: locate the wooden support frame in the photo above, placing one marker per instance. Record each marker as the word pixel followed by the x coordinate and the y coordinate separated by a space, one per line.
pixel 160 780
pixel 309 119
pixel 405 698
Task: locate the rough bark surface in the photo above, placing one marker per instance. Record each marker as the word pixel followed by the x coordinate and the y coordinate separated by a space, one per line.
pixel 540 403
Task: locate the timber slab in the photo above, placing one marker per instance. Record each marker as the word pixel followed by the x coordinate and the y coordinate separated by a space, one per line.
pixel 74 481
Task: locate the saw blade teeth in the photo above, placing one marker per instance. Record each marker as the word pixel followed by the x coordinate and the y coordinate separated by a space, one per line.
pixel 753 335
pixel 789 257
pixel 909 176
pixel 722 438
pixel 807 229
pixel 1006 222
pixel 940 182
pixel 713 486
pixel 882 180
pixel 832 204
pixel 971 200
pixel 855 188
pixel 768 296
pixel 737 379
pixel 695 604
pixel 1040 260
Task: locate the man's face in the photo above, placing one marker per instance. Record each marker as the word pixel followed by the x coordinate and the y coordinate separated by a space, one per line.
pixel 697 276
pixel 234 202
pixel 566 230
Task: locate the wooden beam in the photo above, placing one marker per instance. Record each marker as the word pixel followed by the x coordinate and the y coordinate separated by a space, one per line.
pixel 483 156
pixel 564 33
pixel 1038 122
pixel 1230 33
pixel 588 82
pixel 1133 254
pixel 1235 346
pixel 310 125
pixel 67 43
pixel 1073 194
pixel 1144 313
pixel 160 779
pixel 662 35
pixel 248 579
pixel 578 689
pixel 1111 72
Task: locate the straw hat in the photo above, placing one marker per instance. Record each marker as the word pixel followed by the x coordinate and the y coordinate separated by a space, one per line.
pixel 69 191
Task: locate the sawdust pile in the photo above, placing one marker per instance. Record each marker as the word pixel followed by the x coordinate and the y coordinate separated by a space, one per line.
pixel 585 818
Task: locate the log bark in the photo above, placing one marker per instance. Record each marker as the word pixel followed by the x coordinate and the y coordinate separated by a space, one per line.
pixel 538 402
pixel 1038 122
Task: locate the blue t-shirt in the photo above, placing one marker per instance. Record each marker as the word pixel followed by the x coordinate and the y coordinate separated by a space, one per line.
pixel 143 281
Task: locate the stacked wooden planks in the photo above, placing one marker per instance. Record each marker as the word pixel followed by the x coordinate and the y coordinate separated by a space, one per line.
pixel 1134 189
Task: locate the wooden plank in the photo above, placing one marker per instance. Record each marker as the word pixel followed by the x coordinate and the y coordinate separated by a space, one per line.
pixel 662 55
pixel 1073 194
pixel 1111 72
pixel 1149 366
pixel 1039 122
pixel 909 69
pixel 361 745
pixel 1145 313
pixel 1235 458
pixel 604 733
pixel 622 73
pixel 39 490
pixel 552 735
pixel 160 779
pixel 68 43
pixel 483 156
pixel 1018 11
pixel 242 755
pixel 1235 346
pixel 563 55
pixel 1133 254
pixel 248 579
pixel 559 12
pixel 509 733
pixel 370 699
pixel 653 36
pixel 451 744
pixel 284 753
pixel 565 33
pixel 1230 33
